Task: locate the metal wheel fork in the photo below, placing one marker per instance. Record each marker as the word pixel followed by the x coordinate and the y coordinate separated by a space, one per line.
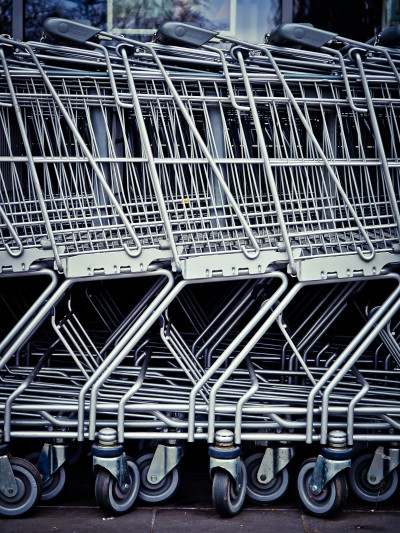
pixel 225 456
pixel 51 458
pixel 165 459
pixel 385 460
pixel 334 459
pixel 8 485
pixel 110 456
pixel 273 462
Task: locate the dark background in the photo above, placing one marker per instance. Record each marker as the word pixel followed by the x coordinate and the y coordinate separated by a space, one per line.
pixel 357 19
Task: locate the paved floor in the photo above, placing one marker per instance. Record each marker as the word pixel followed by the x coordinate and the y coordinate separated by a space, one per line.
pixel 192 512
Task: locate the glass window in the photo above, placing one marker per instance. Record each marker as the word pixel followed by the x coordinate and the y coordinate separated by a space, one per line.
pixel 255 18
pixel 6 17
pixel 246 19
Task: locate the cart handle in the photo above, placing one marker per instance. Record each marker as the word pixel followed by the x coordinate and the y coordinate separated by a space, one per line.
pixel 177 33
pixel 70 30
pixel 390 36
pixel 80 33
pixel 301 34
pixel 316 38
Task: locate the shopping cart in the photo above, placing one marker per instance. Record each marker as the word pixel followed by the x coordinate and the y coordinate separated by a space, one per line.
pixel 210 170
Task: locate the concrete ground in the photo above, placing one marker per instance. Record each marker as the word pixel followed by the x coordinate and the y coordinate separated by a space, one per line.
pixel 192 511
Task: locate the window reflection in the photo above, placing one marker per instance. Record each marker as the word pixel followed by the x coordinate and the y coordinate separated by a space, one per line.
pixel 36 12
pixel 132 15
pixel 255 18
pixel 6 17
pixel 246 19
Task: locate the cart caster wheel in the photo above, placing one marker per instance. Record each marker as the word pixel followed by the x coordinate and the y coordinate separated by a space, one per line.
pixel 162 491
pixel 228 501
pixel 363 489
pixel 56 485
pixel 29 489
pixel 330 501
pixel 264 493
pixel 108 494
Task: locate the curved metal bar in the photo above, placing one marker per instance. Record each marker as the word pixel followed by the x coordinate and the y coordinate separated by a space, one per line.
pixel 27 146
pixel 237 360
pixel 119 352
pixel 387 312
pixel 36 305
pixel 13 253
pixel 352 405
pixel 394 301
pixel 239 409
pixel 22 387
pixel 379 144
pixel 267 164
pixel 337 54
pixel 235 363
pixel 111 76
pixel 374 49
pixel 130 393
pixel 227 78
pixel 144 139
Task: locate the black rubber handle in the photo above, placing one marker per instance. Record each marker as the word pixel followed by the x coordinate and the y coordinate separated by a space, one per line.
pixel 290 33
pixel 69 30
pixel 184 34
pixel 390 36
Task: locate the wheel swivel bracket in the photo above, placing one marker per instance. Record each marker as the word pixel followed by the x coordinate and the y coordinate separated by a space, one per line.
pixel 165 459
pixel 324 470
pixel 118 467
pixel 8 485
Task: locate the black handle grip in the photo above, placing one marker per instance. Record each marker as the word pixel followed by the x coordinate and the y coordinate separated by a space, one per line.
pixel 69 30
pixel 290 33
pixel 390 36
pixel 184 34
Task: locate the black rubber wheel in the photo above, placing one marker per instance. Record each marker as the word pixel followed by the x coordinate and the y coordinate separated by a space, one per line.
pixel 162 491
pixel 29 489
pixel 56 485
pixel 108 494
pixel 227 499
pixel 264 493
pixel 361 486
pixel 330 501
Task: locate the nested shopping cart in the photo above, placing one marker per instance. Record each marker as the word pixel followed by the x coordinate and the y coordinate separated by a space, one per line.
pixel 341 183
pixel 203 168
